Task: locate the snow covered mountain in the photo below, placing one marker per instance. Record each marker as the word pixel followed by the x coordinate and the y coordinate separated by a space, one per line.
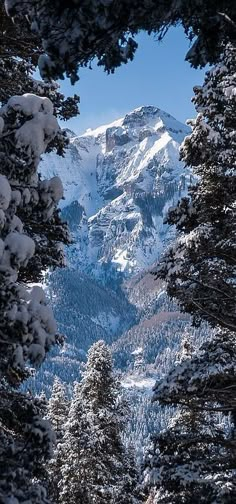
pixel 119 181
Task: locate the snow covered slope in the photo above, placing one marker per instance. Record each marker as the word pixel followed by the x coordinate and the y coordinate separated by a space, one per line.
pixel 119 180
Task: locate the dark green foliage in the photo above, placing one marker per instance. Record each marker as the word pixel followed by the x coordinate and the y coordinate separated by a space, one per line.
pixel 19 53
pixel 26 443
pixel 193 461
pixel 200 269
pixel 30 233
pixel 75 34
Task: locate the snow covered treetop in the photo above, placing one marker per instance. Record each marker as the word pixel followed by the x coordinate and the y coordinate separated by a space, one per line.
pixel 29 104
pixel 206 376
pixel 41 126
pixel 28 328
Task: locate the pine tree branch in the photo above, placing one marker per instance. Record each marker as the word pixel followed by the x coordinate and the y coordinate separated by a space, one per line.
pixel 222 322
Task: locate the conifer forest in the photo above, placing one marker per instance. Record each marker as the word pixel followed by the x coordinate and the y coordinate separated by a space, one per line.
pixel 117 263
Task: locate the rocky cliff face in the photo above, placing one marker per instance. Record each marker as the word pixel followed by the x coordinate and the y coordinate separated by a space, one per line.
pixel 119 181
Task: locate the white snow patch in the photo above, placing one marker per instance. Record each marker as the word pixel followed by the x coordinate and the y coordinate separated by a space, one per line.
pixel 29 104
pixel 139 382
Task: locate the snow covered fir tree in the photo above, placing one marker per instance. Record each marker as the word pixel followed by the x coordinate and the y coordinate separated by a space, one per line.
pixel 28 328
pixel 19 53
pixel 200 267
pixel 94 465
pixel 193 459
pixel 73 36
pixel 77 450
pixel 31 233
pixel 199 465
pixel 58 407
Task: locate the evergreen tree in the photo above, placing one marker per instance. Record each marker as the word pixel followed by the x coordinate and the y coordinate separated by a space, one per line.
pixel 73 34
pixel 199 269
pixel 28 127
pixel 57 411
pixel 26 442
pixel 96 467
pixel 30 236
pixel 205 379
pixel 27 325
pixel 19 53
pixel 192 461
pixel 195 458
pixel 58 407
pixel 17 64
pixel 204 383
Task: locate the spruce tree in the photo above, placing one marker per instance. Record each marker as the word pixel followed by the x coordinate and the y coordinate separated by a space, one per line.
pixel 20 49
pixel 26 443
pixel 27 326
pixel 58 407
pixel 192 461
pixel 203 386
pixel 96 467
pixel 30 234
pixel 205 379
pixel 17 66
pixel 199 465
pixel 57 411
pixel 73 34
pixel 28 127
pixel 200 267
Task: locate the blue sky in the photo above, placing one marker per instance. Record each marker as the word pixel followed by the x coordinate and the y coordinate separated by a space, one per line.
pixel 158 75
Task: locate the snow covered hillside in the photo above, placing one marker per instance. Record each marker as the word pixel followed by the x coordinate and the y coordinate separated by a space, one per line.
pixel 118 181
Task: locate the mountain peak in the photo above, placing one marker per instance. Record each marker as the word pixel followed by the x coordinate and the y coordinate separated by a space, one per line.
pixel 145 115
pixel 144 111
pixel 155 118
pixel 124 175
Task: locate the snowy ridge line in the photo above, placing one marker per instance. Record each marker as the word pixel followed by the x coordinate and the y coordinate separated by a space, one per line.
pixel 119 181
